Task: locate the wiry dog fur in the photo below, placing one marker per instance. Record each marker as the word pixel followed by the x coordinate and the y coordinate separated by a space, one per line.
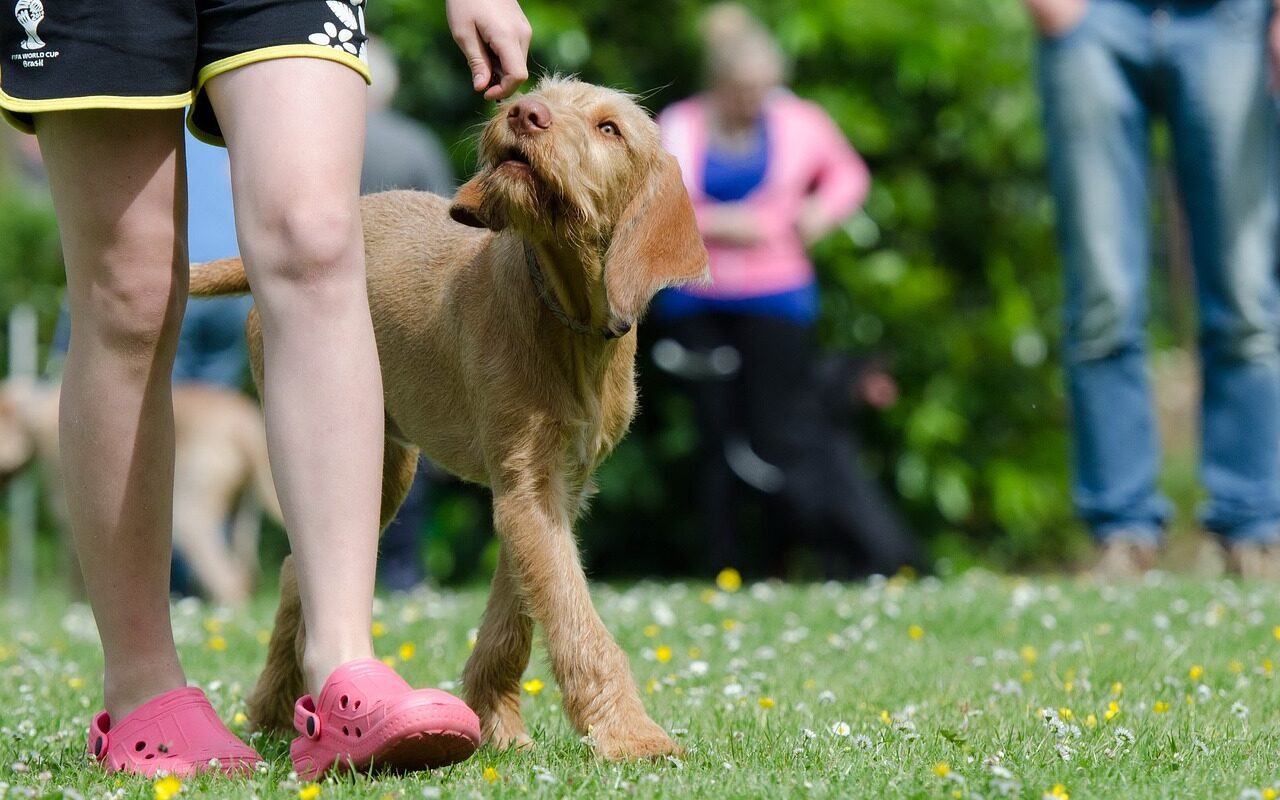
pixel 484 378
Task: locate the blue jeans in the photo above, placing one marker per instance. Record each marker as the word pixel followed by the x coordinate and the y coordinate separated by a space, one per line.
pixel 1202 66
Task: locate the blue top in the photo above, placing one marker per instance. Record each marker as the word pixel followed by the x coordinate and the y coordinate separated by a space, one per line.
pixel 211 227
pixel 729 177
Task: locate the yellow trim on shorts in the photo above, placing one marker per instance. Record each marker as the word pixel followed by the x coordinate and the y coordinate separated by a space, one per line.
pixel 11 106
pixel 217 68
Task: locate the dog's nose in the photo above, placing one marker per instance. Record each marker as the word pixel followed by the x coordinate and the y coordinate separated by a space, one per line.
pixel 529 116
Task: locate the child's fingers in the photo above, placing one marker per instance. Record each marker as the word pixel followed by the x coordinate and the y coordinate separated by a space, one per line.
pixel 511 71
pixel 468 39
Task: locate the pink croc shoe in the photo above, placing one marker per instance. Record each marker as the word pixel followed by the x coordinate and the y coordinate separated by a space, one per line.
pixel 369 717
pixel 178 732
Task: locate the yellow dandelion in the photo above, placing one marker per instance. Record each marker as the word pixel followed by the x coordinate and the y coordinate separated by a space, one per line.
pixel 407 651
pixel 707 595
pixel 1113 711
pixel 651 630
pixel 309 792
pixel 1161 707
pixel 915 632
pixel 651 686
pixel 1065 713
pixel 379 628
pixel 491 775
pixel 695 652
pixel 1267 666
pixel 810 683
pixel 1269 794
pixel 166 787
pixel 942 769
pixel 729 580
pixel 263 636
pixel 766 702
pixel 1196 672
pixel 75 683
pixel 885 717
pixel 213 624
pixel 1235 666
pixel 1027 675
pixel 390 661
pixel 663 654
pixel 471 642
pixel 1091 720
pixel 729 624
pixel 217 643
pixel 1029 654
pixel 533 686
pixel 1058 792
pixel 240 718
pixel 1117 688
pixel 1069 686
pixel 1276 631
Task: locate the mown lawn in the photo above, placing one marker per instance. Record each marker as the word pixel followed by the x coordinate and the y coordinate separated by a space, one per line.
pixel 974 687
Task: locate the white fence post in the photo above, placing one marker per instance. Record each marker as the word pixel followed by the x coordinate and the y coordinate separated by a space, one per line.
pixel 22 489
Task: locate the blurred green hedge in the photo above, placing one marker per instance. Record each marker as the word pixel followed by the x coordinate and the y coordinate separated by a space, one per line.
pixel 951 270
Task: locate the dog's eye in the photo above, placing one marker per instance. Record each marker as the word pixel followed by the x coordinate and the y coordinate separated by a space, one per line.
pixel 609 129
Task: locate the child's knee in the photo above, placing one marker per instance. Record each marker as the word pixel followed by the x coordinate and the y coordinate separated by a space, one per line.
pixel 308 243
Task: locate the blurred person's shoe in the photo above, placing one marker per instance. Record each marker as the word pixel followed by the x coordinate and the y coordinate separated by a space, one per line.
pixel 1123 557
pixel 1254 559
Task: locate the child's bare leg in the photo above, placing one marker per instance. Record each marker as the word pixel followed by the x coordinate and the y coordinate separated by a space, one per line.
pixel 295 129
pixel 119 187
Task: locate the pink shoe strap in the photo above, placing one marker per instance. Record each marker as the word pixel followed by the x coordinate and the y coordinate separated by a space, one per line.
pixel 305 719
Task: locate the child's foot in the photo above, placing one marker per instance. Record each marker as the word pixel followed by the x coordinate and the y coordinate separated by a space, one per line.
pixel 368 717
pixel 178 732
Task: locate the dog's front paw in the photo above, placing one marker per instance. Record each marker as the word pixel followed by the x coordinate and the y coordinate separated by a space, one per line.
pixel 632 740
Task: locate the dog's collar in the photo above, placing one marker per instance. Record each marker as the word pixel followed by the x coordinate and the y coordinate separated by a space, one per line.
pixel 549 300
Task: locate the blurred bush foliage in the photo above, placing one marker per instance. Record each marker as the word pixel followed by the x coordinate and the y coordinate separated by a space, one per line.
pixel 951 270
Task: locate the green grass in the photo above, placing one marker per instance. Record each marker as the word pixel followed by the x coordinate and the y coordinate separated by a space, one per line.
pixel 893 689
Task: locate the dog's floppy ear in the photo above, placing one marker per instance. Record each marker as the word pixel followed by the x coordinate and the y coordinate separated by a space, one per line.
pixel 655 244
pixel 472 206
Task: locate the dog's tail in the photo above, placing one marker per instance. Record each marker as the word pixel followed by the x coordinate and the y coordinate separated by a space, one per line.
pixel 215 278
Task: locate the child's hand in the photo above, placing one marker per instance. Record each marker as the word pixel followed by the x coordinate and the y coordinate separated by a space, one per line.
pixel 494 36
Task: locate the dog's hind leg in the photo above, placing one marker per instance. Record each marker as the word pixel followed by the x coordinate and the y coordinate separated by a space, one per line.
pixel 399 464
pixel 492 675
pixel 281 682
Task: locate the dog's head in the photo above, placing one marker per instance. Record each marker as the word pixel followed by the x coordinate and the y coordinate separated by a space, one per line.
pixel 573 162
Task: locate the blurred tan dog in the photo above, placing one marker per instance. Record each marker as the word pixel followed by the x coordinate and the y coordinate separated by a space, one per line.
pixel 507 358
pixel 220 472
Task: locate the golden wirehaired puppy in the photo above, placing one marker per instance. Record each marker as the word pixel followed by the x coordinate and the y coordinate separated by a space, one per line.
pixel 507 347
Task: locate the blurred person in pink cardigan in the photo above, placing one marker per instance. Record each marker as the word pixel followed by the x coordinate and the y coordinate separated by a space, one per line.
pixel 769 174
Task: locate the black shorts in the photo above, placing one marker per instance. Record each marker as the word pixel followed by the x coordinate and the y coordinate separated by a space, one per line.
pixel 59 55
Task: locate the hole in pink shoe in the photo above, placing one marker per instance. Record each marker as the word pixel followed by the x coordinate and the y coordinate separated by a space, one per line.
pixel 140 746
pixel 342 701
pixel 358 734
pixel 151 755
pixel 357 705
pixel 345 732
